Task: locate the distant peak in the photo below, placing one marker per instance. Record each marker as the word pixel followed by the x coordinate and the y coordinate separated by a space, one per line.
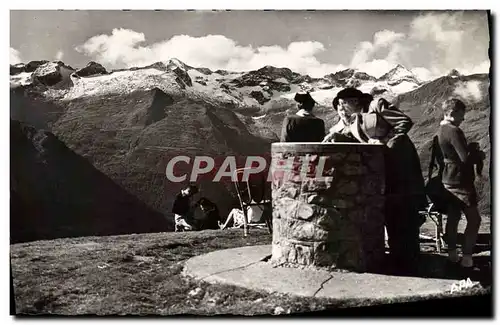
pixel 177 62
pixel 272 68
pixel 454 73
pixel 397 73
pixel 400 67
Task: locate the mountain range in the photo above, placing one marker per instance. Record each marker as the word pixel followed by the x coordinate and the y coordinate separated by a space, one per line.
pixel 129 123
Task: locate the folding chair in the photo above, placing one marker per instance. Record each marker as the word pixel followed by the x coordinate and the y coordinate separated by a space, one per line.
pixel 248 199
pixel 437 218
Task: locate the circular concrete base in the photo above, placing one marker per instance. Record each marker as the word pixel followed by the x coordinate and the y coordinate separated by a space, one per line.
pixel 248 267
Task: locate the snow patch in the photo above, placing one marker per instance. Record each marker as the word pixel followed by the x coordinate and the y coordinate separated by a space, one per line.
pixel 404 87
pixel 21 79
pixel 259 117
pixel 47 68
pixel 281 80
pixel 122 82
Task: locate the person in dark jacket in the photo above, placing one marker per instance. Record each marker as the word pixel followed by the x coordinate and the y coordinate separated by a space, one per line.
pixel 377 121
pixel 303 126
pixel 458 176
pixel 183 210
pixel 211 217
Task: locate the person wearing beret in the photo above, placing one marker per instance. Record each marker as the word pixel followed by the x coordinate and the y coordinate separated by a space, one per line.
pixel 365 120
pixel 303 126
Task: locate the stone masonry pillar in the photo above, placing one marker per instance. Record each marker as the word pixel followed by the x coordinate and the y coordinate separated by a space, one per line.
pixel 333 218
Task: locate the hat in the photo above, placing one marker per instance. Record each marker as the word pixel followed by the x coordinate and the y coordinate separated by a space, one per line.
pixel 304 97
pixel 349 92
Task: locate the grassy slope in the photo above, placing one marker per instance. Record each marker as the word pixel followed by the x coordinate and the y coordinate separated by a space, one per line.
pixel 139 275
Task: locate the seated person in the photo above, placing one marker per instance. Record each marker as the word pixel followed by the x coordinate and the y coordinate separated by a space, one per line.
pixel 211 217
pixel 254 215
pixel 182 209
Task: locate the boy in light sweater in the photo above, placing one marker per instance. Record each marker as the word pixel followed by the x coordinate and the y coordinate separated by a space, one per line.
pixel 458 180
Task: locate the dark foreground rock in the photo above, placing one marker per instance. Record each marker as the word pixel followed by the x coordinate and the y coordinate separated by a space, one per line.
pixel 56 193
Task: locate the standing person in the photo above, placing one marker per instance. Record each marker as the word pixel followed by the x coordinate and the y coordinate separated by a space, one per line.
pixel 303 126
pixel 346 111
pixel 182 208
pixel 458 180
pixel 377 121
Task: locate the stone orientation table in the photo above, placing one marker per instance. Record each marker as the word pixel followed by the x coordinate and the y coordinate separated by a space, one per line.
pixel 328 205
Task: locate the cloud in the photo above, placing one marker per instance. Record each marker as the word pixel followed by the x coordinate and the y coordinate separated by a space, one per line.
pixel 386 37
pixel 59 55
pixel 382 40
pixel 15 56
pixel 469 91
pixel 483 67
pixel 458 41
pixel 440 28
pixel 123 48
pixel 435 44
pixel 376 68
pixel 365 50
pixel 446 40
pixel 423 74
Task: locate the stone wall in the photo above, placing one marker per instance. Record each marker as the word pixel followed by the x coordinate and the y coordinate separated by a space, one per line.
pixel 331 219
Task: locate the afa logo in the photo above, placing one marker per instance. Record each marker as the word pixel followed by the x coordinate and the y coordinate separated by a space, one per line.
pixel 462 284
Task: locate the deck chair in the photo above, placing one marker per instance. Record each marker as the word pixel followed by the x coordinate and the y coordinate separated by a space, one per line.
pixel 437 218
pixel 435 196
pixel 252 192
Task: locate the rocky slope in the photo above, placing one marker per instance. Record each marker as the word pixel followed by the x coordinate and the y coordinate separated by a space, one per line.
pixel 57 193
pixel 130 124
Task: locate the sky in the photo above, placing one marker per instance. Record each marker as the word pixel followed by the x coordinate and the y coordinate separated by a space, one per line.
pixel 308 42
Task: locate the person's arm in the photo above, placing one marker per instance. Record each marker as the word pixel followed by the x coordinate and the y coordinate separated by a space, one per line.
pixel 328 138
pixel 175 206
pixel 284 131
pixel 322 129
pixel 399 121
pixel 331 133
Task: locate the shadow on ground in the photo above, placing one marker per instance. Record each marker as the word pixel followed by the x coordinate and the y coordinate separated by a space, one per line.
pixel 434 265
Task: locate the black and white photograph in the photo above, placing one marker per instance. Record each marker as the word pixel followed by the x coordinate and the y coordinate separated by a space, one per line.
pixel 239 163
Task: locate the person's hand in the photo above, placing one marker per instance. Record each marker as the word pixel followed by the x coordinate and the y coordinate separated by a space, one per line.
pixel 328 138
pixel 375 141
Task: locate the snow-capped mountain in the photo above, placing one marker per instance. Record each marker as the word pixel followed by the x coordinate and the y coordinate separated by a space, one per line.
pixel 267 87
pixel 399 74
pixel 349 78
